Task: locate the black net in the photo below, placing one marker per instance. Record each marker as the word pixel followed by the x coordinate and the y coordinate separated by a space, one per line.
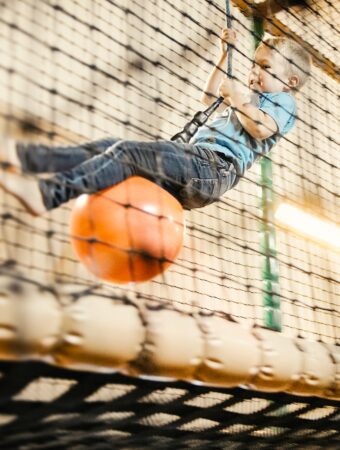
pixel 69 76
pixel 43 407
pixel 72 72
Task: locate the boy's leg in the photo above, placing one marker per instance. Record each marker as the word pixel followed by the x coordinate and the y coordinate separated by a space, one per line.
pixel 39 158
pixel 95 174
pixel 195 176
pixel 124 159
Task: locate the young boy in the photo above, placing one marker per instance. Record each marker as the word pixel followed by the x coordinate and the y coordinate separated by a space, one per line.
pixel 197 173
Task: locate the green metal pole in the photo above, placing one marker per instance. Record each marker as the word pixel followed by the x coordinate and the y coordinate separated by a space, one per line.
pixel 270 268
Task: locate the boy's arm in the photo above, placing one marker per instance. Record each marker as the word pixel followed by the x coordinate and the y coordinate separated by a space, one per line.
pixel 256 122
pixel 210 92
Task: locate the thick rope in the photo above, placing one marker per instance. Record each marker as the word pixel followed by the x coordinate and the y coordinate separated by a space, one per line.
pixel 201 117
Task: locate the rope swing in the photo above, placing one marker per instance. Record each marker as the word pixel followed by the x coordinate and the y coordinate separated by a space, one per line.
pixel 201 117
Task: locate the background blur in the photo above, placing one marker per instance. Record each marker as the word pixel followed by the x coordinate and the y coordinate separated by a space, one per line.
pixel 72 71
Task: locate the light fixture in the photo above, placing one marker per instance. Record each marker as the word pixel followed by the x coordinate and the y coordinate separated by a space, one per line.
pixel 308 225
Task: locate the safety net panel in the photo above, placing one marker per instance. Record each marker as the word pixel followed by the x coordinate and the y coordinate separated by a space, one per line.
pixel 74 72
pixel 69 75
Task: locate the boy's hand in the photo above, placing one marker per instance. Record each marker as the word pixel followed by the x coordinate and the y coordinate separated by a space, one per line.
pixel 228 36
pixel 226 88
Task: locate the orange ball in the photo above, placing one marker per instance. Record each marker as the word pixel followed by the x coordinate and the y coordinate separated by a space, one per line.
pixel 130 232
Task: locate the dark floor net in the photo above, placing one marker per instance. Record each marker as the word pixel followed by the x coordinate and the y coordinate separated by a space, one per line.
pixel 42 407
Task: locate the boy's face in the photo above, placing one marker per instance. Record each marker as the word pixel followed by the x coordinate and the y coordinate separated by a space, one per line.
pixel 268 71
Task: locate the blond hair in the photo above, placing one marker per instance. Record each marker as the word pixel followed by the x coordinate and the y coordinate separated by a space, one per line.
pixel 297 59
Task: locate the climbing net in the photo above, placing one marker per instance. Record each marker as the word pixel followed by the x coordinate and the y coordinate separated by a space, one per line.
pixel 72 72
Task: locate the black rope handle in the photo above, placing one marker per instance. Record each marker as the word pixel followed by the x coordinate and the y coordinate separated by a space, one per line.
pixel 201 117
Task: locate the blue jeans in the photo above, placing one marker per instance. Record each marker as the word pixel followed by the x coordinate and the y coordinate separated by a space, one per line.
pixel 194 175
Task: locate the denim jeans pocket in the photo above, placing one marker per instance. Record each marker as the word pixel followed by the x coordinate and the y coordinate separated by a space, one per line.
pixel 200 192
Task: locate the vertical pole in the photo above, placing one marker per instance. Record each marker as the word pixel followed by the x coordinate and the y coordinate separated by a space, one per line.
pixel 270 268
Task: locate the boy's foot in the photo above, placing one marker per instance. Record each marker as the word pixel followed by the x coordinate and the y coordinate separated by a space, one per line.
pixel 24 188
pixel 9 155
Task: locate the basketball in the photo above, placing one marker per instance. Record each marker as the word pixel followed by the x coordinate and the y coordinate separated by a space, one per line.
pixel 130 232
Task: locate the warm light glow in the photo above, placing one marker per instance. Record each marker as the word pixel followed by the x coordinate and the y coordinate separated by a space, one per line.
pixel 309 225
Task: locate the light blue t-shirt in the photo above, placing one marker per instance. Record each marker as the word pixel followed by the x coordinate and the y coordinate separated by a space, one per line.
pixel 226 135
